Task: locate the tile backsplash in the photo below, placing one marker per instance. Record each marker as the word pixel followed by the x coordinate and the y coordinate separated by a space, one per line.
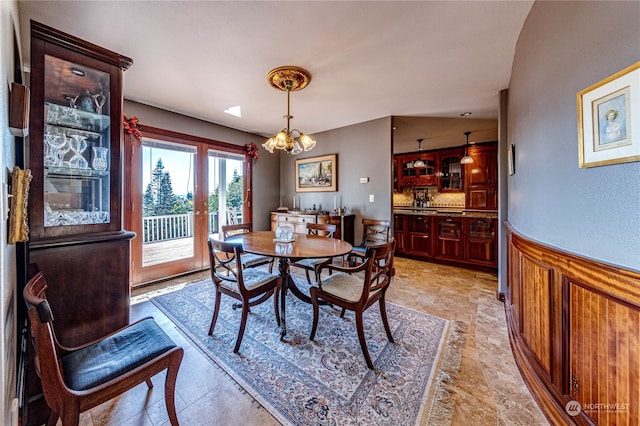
pixel 438 199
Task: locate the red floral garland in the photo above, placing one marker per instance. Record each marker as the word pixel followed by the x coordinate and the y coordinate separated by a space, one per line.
pixel 252 150
pixel 130 126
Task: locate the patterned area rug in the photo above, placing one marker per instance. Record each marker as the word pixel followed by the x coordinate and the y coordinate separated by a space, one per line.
pixel 324 382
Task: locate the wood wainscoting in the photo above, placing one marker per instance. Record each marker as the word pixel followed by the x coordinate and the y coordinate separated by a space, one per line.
pixel 574 326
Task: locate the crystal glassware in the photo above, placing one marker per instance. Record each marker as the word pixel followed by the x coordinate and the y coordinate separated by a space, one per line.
pixel 78 146
pixel 99 161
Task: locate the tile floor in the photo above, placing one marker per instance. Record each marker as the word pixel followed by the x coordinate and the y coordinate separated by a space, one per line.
pixel 489 389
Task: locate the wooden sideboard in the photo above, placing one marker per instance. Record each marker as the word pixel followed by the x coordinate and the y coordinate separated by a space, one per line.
pixel 574 326
pixel 298 222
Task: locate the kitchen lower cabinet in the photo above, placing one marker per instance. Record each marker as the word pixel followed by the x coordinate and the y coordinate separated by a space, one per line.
pixel 399 232
pixel 455 240
pixel 481 245
pixel 449 238
pixel 420 237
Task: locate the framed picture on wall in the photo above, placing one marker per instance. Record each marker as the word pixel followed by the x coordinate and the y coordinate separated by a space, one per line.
pixel 317 174
pixel 607 130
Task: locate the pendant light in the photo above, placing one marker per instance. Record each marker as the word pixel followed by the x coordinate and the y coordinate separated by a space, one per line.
pixel 466 159
pixel 419 162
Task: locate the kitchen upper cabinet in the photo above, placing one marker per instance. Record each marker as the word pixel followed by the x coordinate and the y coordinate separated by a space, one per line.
pixel 450 172
pixel 410 175
pixel 481 178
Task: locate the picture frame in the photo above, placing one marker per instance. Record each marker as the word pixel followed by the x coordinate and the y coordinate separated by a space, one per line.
pixel 317 174
pixel 511 160
pixel 607 132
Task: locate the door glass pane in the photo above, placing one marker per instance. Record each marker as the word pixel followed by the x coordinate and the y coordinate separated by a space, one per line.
pixel 226 191
pixel 76 144
pixel 167 201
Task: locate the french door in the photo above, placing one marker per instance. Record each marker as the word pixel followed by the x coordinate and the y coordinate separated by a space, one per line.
pixel 183 189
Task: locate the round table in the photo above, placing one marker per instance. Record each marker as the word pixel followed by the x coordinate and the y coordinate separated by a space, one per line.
pixel 304 247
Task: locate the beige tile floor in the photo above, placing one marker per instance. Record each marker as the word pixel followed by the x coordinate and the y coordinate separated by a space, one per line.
pixel 489 389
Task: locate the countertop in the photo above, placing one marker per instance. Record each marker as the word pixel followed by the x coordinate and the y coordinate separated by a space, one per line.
pixel 444 211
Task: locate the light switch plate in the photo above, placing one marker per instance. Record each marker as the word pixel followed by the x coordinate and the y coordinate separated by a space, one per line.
pixel 371 198
pixel 364 180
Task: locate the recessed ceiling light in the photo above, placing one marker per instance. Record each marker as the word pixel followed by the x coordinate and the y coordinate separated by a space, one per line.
pixel 465 114
pixel 234 111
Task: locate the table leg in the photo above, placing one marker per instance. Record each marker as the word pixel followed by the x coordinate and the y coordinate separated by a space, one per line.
pixel 283 267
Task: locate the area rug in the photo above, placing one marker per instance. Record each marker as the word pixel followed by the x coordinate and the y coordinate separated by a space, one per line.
pixel 326 381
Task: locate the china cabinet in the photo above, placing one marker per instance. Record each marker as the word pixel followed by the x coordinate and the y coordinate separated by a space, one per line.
pixel 75 201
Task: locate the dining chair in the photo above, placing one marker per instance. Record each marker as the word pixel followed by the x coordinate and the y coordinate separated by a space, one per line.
pixel 249 260
pixel 75 379
pixel 356 292
pixel 308 264
pixel 374 232
pixel 250 286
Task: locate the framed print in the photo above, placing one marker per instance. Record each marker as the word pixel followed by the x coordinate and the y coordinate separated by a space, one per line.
pixel 511 160
pixel 607 130
pixel 317 174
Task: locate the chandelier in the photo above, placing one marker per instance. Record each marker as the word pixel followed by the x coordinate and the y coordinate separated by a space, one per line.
pixel 289 79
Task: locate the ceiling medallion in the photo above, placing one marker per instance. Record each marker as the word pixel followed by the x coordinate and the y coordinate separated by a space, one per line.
pixel 289 79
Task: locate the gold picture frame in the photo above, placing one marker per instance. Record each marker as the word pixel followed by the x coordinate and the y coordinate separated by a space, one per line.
pixel 607 131
pixel 317 174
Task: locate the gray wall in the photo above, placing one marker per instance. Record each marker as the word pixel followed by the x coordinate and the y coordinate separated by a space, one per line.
pixel 364 150
pixel 563 48
pixel 266 170
pixel 8 298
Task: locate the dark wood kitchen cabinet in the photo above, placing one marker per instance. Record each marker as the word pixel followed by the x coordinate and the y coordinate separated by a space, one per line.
pixel 450 171
pixel 481 178
pixel 449 238
pixel 399 232
pixel 420 235
pixel 481 241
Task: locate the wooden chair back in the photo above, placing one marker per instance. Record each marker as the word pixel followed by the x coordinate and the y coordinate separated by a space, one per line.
pixel 321 229
pixel 238 228
pixel 375 231
pixel 225 259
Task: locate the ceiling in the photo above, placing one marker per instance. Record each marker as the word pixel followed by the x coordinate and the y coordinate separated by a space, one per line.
pixel 367 59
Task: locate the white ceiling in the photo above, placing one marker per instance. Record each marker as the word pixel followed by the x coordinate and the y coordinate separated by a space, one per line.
pixel 367 59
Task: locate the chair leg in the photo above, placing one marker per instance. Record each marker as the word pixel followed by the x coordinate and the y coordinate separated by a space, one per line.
pixel 363 343
pixel 276 306
pixel 385 321
pixel 71 416
pixel 342 312
pixel 216 309
pixel 149 383
pixel 53 418
pixel 243 324
pixel 170 386
pixel 316 313
pixel 306 272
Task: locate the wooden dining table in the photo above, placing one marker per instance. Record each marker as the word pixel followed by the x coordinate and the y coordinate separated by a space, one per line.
pixel 303 247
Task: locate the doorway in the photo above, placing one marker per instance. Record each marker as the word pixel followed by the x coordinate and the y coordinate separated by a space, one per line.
pixel 183 190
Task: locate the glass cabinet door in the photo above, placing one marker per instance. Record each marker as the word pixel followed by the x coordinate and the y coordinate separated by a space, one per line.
pixel 76 148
